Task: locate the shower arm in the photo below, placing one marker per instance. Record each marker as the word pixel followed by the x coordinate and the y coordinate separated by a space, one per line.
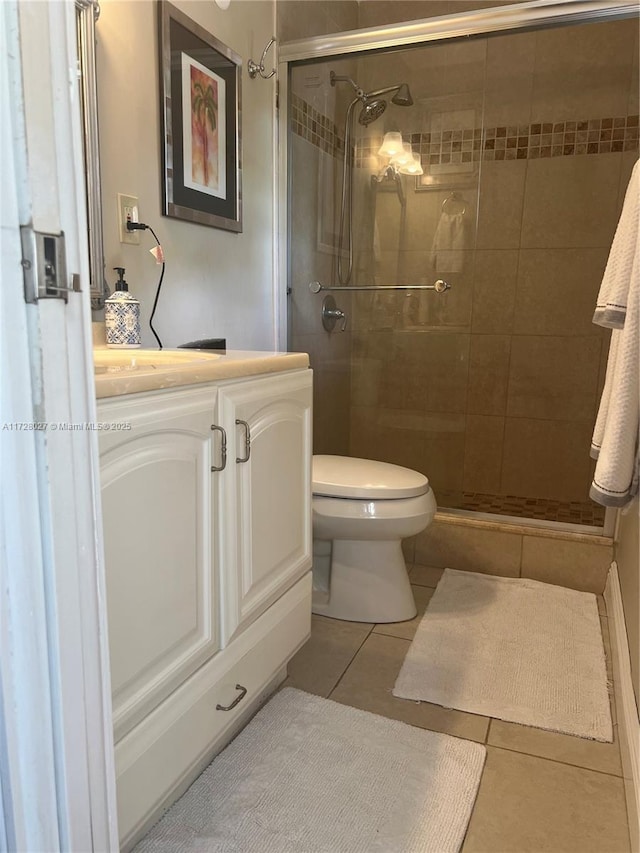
pixel 439 286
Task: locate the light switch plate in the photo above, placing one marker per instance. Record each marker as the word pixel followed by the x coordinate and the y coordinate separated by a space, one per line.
pixel 128 210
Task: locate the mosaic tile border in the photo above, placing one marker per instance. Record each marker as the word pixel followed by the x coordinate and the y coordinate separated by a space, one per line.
pixel 542 509
pixel 315 127
pixel 519 142
pixel 507 142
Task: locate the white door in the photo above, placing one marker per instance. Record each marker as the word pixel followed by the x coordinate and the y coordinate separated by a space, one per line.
pixel 56 750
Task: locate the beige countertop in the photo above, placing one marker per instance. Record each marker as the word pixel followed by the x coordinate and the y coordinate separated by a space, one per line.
pixel 114 380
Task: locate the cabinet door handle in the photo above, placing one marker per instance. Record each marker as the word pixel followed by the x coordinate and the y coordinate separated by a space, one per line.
pixel 223 449
pixel 236 701
pixel 247 440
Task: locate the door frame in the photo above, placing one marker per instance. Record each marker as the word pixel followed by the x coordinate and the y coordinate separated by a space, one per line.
pixel 57 776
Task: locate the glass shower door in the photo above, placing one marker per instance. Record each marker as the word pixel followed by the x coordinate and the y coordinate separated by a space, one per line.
pixel 526 145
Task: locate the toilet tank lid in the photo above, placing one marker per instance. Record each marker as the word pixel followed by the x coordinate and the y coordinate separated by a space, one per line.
pixel 346 477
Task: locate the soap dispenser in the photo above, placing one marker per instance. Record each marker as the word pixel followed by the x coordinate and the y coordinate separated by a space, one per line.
pixel 122 316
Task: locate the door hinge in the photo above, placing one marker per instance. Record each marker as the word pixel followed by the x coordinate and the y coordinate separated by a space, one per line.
pixel 44 266
pixel 277 94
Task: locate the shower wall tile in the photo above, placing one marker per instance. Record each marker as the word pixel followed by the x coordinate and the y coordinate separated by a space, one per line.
pixel 604 358
pixel 557 291
pixel 456 6
pixel 553 378
pixel 577 565
pixel 546 459
pixel 469 549
pixel 331 393
pixel 483 454
pixel 583 70
pixel 502 187
pixel 509 79
pixel 449 77
pixel 629 159
pixel 376 13
pixel 409 372
pixel 301 19
pixel 488 374
pixel 445 357
pixel 494 290
pixel 377 311
pixel 571 201
pixel 365 381
pixel 444 451
pixel 429 442
pixel 331 396
pixel 388 435
pixel 450 310
pixel 633 107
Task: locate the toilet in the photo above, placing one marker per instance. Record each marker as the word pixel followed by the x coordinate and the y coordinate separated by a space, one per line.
pixel 362 510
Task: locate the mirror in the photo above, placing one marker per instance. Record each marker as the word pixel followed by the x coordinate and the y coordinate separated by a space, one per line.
pixel 87 13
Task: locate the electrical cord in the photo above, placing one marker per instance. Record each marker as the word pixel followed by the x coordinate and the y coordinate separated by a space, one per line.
pixel 141 226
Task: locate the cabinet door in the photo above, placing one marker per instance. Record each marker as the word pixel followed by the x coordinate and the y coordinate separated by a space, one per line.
pixel 158 504
pixel 270 547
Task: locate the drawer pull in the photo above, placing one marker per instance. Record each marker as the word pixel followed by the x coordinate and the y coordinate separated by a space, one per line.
pixel 236 701
pixel 247 440
pixel 223 448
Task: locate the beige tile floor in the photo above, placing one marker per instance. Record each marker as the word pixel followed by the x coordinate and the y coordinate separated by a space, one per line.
pixel 540 791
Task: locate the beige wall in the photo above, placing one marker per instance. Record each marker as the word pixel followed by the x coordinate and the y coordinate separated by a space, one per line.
pixel 627 556
pixel 217 284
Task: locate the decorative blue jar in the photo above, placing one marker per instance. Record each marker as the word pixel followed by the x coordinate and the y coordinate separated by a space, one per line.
pixel 122 316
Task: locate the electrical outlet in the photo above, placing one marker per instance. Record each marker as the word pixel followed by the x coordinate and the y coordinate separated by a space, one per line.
pixel 128 211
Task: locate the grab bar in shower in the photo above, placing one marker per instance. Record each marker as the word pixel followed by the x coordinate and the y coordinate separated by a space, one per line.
pixel 439 286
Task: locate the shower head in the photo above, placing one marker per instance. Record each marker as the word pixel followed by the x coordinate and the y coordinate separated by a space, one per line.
pixel 371 111
pixel 402 97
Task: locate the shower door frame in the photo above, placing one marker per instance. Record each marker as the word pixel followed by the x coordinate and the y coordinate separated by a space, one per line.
pixel 536 14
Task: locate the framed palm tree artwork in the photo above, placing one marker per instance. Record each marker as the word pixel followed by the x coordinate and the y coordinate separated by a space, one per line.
pixel 200 117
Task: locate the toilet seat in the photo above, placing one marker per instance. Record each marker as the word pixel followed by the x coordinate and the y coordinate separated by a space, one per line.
pixel 365 479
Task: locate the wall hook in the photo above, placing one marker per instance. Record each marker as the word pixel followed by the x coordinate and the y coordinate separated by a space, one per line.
pixel 253 68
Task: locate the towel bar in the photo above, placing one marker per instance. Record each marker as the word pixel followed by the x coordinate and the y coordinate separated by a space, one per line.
pixel 439 286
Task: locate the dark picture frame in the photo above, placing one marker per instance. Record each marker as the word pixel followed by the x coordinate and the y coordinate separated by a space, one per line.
pixel 201 147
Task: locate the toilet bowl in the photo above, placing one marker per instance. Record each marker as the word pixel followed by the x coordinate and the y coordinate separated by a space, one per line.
pixel 362 510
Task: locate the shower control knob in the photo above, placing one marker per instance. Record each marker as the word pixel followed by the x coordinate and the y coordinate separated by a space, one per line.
pixel 331 314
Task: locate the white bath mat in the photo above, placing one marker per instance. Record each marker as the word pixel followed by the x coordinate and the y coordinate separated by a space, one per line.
pixel 308 775
pixel 511 648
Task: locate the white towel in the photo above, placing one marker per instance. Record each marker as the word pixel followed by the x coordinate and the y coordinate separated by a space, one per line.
pixel 616 434
pixel 611 305
pixel 447 251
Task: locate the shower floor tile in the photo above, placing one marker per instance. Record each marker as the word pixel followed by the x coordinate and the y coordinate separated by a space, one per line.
pixel 543 509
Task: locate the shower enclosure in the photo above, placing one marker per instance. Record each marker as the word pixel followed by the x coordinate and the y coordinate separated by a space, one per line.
pixel 519 136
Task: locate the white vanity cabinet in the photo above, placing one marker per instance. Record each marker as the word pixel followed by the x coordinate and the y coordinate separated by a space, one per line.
pixel 269 490
pixel 207 532
pixel 159 512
